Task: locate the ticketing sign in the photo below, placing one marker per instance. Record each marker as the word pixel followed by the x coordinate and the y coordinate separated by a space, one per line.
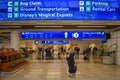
pixel 59 10
pixel 64 35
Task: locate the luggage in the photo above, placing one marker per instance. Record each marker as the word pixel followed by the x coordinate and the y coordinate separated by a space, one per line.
pixel 75 69
pixel 85 57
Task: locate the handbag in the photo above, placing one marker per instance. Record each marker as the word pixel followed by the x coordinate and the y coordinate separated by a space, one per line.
pixel 74 68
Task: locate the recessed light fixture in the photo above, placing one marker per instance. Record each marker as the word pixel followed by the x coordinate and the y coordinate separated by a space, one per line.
pixel 48 26
pixel 91 26
pixel 10 26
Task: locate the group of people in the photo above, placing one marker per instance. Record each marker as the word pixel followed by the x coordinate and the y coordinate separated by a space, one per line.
pixel 71 57
pixel 63 52
pixel 49 52
pixel 27 51
pixel 71 54
pixel 92 51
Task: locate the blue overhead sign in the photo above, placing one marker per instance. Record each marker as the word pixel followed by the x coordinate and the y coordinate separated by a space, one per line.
pixel 55 42
pixel 64 35
pixel 59 10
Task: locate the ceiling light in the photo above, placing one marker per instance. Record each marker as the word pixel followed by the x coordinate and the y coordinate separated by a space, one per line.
pixel 91 26
pixel 10 26
pixel 48 26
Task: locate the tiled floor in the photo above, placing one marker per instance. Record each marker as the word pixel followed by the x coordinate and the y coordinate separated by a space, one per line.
pixel 57 70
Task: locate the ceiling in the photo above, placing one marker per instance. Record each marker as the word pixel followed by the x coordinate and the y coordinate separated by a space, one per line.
pixel 45 24
pixel 6 26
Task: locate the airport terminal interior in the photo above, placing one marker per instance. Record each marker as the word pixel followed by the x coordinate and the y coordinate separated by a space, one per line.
pixel 59 40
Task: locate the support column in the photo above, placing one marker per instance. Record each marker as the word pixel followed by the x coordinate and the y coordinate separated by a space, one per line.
pixel 115 38
pixel 15 41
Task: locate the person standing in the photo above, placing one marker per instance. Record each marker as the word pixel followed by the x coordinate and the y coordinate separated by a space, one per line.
pixel 94 51
pixel 87 53
pixel 71 61
pixel 62 51
pixel 52 52
pixel 59 52
pixel 47 50
pixel 77 49
pixel 42 52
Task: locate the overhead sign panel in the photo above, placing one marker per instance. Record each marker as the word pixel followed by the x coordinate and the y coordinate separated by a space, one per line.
pixel 59 10
pixel 64 35
pixel 55 42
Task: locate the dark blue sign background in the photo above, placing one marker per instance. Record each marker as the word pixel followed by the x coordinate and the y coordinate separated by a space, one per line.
pixel 55 42
pixel 104 41
pixel 63 35
pixel 59 10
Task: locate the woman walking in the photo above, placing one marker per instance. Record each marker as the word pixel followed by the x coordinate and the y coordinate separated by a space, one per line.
pixel 71 61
